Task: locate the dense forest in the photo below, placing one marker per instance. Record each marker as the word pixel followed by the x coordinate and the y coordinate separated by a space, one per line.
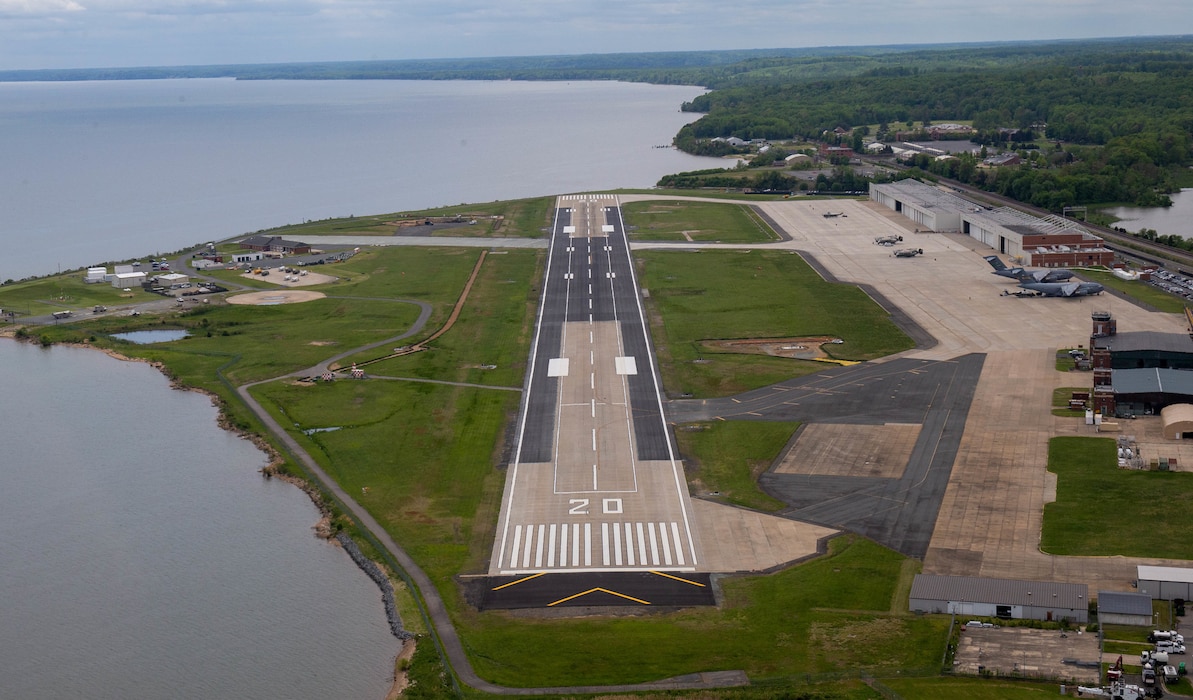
pixel 1115 118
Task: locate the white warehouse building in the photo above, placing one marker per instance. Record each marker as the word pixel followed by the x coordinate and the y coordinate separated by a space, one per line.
pixel 1165 582
pixel 1048 241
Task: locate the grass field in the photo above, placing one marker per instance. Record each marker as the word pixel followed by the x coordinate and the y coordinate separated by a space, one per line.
pixel 43 296
pixel 731 295
pixel 521 218
pixel 694 221
pixel 1101 510
pixel 1142 291
pixel 726 458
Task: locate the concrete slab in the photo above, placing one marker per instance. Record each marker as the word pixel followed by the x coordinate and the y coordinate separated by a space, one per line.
pixel 1031 652
pixel 834 449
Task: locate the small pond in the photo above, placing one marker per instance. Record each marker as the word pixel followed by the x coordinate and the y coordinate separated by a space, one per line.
pixel 147 337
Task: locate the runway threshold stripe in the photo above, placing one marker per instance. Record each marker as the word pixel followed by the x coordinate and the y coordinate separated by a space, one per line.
pixel 677 541
pixel 517 541
pixel 666 544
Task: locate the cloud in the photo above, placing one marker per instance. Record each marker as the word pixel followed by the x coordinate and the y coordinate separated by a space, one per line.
pixel 37 8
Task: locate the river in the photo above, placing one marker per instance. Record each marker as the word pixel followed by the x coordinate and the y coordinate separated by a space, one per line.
pixel 143 554
pixel 92 172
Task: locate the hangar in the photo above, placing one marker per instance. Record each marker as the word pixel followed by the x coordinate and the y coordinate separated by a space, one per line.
pixel 1118 608
pixel 1009 599
pixel 1165 582
pixel 1142 373
pixel 1052 241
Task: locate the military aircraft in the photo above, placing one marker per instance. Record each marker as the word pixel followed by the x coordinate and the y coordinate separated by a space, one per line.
pixel 888 240
pixel 908 252
pixel 1018 273
pixel 1064 289
pixel 832 214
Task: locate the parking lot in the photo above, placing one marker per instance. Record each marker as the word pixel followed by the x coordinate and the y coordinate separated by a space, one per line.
pixel 1031 652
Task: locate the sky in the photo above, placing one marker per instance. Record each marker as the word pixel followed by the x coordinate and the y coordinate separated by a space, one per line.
pixel 133 33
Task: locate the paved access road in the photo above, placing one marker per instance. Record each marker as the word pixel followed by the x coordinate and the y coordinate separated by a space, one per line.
pixel 595 484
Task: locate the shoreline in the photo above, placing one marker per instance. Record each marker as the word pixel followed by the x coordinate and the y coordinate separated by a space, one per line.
pixel 322 528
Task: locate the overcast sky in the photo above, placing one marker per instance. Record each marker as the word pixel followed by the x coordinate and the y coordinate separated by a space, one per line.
pixel 127 33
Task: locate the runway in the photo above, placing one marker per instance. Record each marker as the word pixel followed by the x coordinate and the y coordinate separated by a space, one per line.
pixel 595 485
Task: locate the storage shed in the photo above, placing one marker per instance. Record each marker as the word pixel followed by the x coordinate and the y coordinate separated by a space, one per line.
pixel 1010 599
pixel 1177 420
pixel 1118 608
pixel 1165 582
pixel 121 280
pixel 172 279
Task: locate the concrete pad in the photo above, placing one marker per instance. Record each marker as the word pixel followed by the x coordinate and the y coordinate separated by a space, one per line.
pixel 735 539
pixel 880 451
pixel 1032 652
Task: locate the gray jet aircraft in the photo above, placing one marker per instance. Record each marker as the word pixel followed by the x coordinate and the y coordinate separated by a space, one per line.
pixel 1064 289
pixel 888 240
pixel 908 252
pixel 1018 273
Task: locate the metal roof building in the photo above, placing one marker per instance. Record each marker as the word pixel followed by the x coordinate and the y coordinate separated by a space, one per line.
pixel 1118 608
pixel 1166 582
pixel 1049 241
pixel 1012 599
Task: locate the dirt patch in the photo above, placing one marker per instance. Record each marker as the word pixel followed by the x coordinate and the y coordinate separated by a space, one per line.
pixel 401 679
pixel 273 298
pixel 322 343
pixel 794 348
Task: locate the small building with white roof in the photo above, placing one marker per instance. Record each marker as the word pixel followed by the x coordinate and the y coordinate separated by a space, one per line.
pixel 1165 582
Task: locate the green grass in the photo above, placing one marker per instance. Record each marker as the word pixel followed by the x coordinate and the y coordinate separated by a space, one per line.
pixel 493 330
pixel 1102 510
pixel 694 221
pixel 521 218
pixel 1125 633
pixel 803 620
pixel 727 458
pixel 733 295
pixel 46 295
pixel 1060 401
pixel 968 688
pixel 1142 291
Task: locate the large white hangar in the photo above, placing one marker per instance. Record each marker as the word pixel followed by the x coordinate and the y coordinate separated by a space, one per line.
pixel 1166 582
pixel 1009 599
pixel 1051 241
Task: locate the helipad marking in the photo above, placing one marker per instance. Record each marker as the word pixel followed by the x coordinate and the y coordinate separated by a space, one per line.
pixel 557 367
pixel 626 365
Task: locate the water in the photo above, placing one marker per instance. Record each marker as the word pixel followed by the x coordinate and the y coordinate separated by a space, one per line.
pixel 1176 219
pixel 150 337
pixel 145 557
pixel 93 172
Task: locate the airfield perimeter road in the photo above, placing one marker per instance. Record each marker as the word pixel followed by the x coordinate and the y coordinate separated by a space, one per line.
pixel 991 512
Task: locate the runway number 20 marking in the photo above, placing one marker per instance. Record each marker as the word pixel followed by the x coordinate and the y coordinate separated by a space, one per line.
pixel 579 506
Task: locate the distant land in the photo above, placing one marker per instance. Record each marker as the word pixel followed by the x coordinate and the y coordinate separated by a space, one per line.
pixel 705 68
